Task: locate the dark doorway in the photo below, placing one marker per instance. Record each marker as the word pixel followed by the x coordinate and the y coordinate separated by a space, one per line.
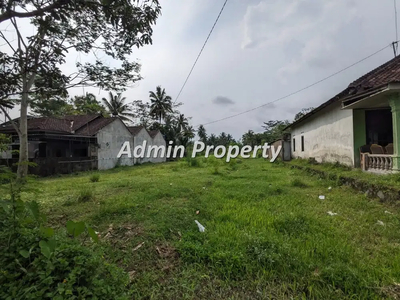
pixel 379 128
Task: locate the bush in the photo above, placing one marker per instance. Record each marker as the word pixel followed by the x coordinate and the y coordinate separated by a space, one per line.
pixel 95 178
pixel 73 272
pixel 194 161
pixel 85 195
pixel 37 264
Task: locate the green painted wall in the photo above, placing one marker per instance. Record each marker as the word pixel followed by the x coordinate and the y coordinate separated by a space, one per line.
pixel 359 134
pixel 394 102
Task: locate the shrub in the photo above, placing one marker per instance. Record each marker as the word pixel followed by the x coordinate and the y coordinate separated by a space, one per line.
pixel 233 165
pixel 36 264
pixel 194 161
pixel 95 178
pixel 73 272
pixel 85 195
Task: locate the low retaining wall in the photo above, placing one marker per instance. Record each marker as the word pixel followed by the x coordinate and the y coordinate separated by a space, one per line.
pixel 384 193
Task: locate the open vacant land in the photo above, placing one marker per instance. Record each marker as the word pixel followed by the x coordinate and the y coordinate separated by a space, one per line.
pixel 268 234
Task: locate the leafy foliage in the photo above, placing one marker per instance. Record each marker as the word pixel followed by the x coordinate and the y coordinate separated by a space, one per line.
pixel 161 104
pixel 35 263
pixel 117 107
pixel 5 141
pixel 31 66
pixel 302 113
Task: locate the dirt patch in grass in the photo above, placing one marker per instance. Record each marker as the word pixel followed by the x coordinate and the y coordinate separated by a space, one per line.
pixel 120 235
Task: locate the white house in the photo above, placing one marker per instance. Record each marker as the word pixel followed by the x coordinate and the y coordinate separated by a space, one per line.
pixel 152 138
pixel 78 143
pixel 111 134
pixel 364 118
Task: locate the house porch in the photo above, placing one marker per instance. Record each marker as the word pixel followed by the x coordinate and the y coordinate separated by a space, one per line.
pixel 376 128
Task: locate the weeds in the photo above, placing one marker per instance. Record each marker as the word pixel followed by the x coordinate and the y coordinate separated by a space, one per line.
pixel 95 178
pixel 298 183
pixel 85 195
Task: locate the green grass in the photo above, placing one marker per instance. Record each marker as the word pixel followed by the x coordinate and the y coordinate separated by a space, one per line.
pixel 268 235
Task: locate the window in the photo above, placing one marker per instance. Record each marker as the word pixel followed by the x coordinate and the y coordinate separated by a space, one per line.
pixel 302 143
pixel 294 145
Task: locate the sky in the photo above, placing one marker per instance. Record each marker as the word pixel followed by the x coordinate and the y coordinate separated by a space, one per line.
pixel 259 51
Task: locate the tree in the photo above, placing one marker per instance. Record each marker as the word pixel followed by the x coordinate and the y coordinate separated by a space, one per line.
pixel 161 104
pixel 303 112
pixel 105 28
pixel 212 140
pixel 141 110
pixel 274 130
pixel 87 104
pixel 52 108
pixel 201 132
pixel 182 122
pixel 117 108
pixel 5 141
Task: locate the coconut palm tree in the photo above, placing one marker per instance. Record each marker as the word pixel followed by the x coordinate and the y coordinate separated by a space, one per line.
pixel 161 103
pixel 182 122
pixel 117 108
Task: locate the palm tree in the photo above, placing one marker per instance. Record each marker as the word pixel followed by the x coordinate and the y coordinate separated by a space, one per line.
pixel 161 103
pixel 182 122
pixel 117 108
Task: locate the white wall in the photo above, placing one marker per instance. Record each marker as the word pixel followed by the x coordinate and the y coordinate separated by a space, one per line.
pixel 158 140
pixel 111 138
pixel 138 139
pixel 328 136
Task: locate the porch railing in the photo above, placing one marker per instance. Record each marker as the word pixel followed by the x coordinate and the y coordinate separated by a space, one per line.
pixel 376 162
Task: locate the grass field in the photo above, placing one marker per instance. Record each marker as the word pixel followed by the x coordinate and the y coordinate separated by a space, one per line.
pixel 268 235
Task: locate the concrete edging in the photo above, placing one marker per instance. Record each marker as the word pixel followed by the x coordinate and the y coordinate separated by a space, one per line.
pixel 384 193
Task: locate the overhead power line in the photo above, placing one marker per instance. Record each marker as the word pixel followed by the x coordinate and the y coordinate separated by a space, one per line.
pixel 298 91
pixel 201 51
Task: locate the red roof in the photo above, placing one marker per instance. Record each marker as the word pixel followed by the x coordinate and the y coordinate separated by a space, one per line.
pixel 153 133
pixel 378 78
pixel 93 127
pixel 134 130
pixel 80 124
pixel 387 73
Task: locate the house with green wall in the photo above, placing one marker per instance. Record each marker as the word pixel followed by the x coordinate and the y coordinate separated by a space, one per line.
pixel 359 127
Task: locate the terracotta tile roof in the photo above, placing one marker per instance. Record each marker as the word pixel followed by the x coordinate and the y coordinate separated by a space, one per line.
pixel 387 73
pixel 93 127
pixel 80 120
pixel 44 124
pixel 379 77
pixel 65 125
pixel 134 130
pixel 153 133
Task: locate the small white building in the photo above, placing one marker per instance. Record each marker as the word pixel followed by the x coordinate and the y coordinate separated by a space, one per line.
pixel 359 127
pixel 111 134
pixel 152 138
pixel 158 140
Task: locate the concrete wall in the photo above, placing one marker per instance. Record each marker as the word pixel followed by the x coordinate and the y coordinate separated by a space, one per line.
pixel 276 144
pixel 110 139
pixel 138 139
pixel 158 140
pixel 328 136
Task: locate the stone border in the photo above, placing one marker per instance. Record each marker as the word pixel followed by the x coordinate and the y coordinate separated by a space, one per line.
pixel 384 193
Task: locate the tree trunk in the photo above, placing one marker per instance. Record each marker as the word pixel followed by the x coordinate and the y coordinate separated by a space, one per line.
pixel 23 138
